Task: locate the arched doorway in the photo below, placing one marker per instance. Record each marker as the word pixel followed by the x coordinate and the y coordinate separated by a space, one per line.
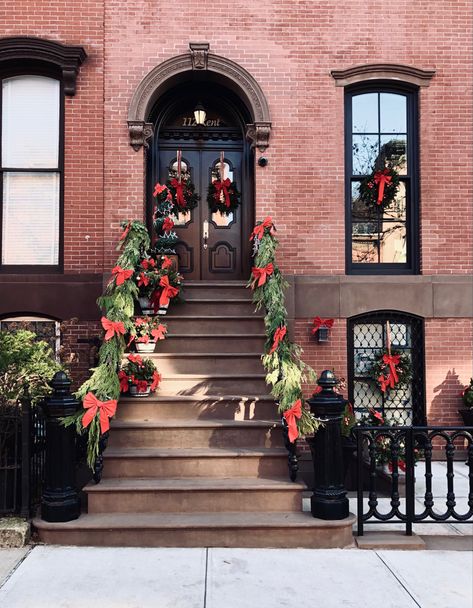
pixel 212 246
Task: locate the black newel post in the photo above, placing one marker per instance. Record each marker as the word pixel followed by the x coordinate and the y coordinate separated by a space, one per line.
pixel 60 501
pixel 329 500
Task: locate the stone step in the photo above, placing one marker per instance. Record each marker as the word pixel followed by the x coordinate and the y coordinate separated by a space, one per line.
pixel 195 462
pixel 206 306
pixel 207 363
pixel 212 343
pixel 204 407
pixel 228 529
pixel 201 384
pixel 216 290
pixel 205 324
pixel 196 433
pixel 187 495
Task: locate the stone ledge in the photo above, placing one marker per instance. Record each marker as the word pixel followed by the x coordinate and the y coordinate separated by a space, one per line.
pixel 389 540
pixel 14 532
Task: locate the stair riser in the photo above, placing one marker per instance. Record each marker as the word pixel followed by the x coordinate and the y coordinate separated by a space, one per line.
pixel 208 365
pixel 194 501
pixel 191 292
pixel 218 307
pixel 245 325
pixel 223 410
pixel 214 386
pixel 274 537
pixel 215 344
pixel 196 438
pixel 196 467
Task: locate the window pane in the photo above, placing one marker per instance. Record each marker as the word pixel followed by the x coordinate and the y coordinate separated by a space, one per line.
pixel 365 153
pixel 30 122
pixel 361 212
pixel 365 113
pixel 30 231
pixel 364 248
pixel 393 113
pixel 397 209
pixel 394 151
pixel 392 248
pixel 368 335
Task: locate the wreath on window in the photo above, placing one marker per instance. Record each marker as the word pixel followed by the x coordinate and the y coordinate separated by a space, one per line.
pixel 392 370
pixel 379 189
pixel 223 194
pixel 181 189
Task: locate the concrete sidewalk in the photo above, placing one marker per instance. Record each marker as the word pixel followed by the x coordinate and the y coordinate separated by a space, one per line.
pixel 73 577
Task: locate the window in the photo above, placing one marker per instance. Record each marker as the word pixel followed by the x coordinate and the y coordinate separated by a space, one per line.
pixel 31 171
pixel 381 131
pixel 368 336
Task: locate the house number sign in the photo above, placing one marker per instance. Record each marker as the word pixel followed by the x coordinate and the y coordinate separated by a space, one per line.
pixel 188 121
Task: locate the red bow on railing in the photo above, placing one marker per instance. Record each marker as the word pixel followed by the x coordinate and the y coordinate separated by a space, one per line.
pixel 381 178
pixel 258 231
pixel 121 275
pixel 261 274
pixel 167 292
pixel 123 378
pixel 222 186
pixel 112 328
pixel 318 323
pixel 290 417
pixel 107 409
pixel 179 186
pixel 125 231
pixel 392 361
pixel 159 332
pixel 278 336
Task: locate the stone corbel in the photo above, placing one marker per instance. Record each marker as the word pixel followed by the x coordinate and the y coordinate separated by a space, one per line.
pixel 199 55
pixel 140 133
pixel 258 133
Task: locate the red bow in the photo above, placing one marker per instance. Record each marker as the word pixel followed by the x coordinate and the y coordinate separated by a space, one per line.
pixel 381 178
pixel 135 359
pixel 156 381
pixel 261 274
pixel 179 186
pixel 318 323
pixel 392 361
pixel 258 231
pixel 290 416
pixel 167 292
pixel 143 280
pixel 146 264
pixel 278 336
pixel 222 186
pixel 158 189
pixel 168 224
pixel 385 382
pixel 123 381
pixel 125 231
pixel 159 332
pixel 121 275
pixel 167 263
pixel 107 409
pixel 112 328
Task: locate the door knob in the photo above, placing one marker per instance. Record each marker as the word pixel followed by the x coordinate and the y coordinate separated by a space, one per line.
pixel 205 233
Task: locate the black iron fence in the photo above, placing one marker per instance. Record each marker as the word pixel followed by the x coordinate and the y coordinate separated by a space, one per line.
pixel 22 455
pixel 397 462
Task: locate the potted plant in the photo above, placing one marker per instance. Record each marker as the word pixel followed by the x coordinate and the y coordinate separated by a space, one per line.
pixel 158 283
pixel 467 398
pixel 138 377
pixel 146 332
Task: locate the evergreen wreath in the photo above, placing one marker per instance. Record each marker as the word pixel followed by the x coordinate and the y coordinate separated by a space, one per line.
pixel 285 370
pixel 379 189
pixel 382 370
pixel 223 195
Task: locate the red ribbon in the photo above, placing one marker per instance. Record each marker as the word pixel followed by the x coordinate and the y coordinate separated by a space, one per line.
pixel 258 231
pixel 146 264
pixel 135 359
pixel 121 275
pixel 392 361
pixel 261 274
pixel 112 328
pixel 290 417
pixel 168 224
pixel 143 280
pixel 159 333
pixel 381 178
pixel 167 292
pixel 158 189
pixel 155 382
pixel 222 186
pixel 167 263
pixel 125 231
pixel 107 409
pixel 278 336
pixel 123 381
pixel 179 186
pixel 318 323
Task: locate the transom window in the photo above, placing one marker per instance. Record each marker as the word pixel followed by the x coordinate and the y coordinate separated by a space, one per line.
pixel 381 132
pixel 31 171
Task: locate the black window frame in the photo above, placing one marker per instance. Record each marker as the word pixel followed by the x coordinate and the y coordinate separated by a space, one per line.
pixel 412 266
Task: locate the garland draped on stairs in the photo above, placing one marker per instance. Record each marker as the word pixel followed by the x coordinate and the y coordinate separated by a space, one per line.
pixel 285 370
pixel 99 394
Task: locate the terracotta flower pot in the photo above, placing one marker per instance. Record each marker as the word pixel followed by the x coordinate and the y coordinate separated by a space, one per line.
pixel 133 391
pixel 145 347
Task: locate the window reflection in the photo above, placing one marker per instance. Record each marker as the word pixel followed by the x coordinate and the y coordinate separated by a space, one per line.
pixel 220 219
pixel 182 218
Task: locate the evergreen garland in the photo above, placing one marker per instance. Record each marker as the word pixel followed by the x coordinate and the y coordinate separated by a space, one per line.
pixel 285 370
pixel 117 304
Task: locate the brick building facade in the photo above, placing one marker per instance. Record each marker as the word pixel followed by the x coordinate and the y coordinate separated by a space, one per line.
pixel 306 58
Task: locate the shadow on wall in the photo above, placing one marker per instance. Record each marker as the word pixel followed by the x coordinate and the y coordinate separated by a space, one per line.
pixel 447 401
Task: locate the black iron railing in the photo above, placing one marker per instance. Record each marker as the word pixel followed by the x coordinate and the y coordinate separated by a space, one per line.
pixel 22 453
pixel 397 461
